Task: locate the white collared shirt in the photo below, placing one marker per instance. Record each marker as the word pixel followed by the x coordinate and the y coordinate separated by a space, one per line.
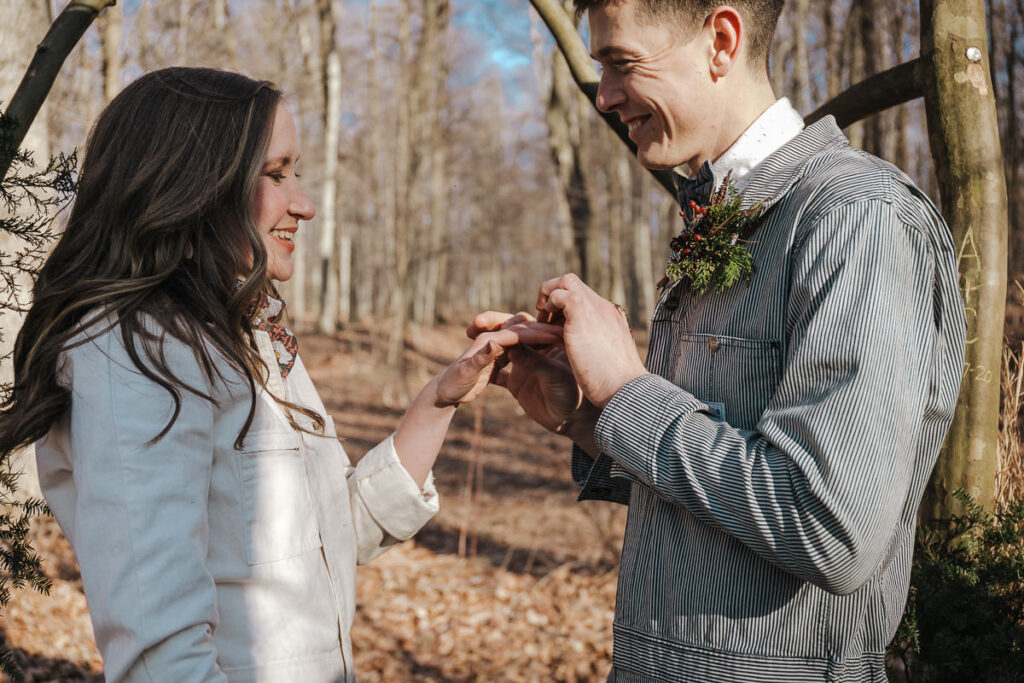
pixel 776 126
pixel 779 124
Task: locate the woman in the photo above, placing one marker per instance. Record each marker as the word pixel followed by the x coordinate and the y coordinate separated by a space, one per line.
pixel 181 444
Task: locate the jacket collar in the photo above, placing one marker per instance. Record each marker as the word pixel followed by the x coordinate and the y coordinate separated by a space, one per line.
pixel 776 175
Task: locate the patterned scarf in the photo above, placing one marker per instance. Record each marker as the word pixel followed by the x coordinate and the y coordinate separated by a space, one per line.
pixel 263 313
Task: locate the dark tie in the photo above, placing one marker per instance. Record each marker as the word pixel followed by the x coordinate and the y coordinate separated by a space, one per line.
pixel 696 189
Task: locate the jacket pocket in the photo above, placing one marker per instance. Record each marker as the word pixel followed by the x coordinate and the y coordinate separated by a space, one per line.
pixel 280 517
pixel 739 374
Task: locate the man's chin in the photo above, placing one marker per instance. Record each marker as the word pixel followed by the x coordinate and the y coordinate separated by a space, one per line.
pixel 657 157
pixel 654 162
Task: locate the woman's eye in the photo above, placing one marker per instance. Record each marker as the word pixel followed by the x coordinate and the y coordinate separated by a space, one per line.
pixel 275 176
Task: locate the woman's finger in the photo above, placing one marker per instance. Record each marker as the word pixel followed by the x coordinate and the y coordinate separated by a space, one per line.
pixel 494 320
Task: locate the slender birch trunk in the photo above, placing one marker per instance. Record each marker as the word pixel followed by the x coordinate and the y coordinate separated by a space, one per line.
pixel 327 322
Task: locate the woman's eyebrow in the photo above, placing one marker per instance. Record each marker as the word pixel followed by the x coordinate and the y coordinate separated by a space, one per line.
pixel 283 160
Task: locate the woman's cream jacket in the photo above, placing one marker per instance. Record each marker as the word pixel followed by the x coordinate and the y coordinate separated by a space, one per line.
pixel 201 562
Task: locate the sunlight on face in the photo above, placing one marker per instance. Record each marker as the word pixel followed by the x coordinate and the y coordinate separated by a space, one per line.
pixel 280 202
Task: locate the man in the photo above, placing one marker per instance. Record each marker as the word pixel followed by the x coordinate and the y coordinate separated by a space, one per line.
pixel 774 450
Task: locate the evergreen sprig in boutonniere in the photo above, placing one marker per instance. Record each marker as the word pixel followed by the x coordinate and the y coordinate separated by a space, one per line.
pixel 711 251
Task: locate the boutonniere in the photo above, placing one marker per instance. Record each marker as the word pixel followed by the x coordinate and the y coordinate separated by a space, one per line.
pixel 711 250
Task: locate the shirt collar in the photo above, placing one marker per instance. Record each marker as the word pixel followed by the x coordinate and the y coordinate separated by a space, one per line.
pixel 776 126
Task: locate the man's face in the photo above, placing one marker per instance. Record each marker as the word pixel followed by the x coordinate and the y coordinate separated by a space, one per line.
pixel 658 85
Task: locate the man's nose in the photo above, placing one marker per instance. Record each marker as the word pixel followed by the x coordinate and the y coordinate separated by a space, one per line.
pixel 609 93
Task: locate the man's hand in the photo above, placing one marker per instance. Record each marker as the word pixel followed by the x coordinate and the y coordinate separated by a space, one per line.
pixel 539 376
pixel 598 344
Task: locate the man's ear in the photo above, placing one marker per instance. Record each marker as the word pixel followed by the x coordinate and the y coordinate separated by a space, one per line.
pixel 728 31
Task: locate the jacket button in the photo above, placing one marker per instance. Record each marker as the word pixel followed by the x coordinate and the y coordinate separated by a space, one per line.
pixel 713 344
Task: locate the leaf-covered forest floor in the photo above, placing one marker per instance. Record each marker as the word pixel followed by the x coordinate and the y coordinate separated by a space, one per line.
pixel 512 581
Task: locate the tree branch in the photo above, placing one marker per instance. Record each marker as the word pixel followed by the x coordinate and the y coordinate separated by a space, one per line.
pixel 62 37
pixel 876 93
pixel 563 29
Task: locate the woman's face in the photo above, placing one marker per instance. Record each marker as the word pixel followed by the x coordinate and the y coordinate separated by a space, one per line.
pixel 280 202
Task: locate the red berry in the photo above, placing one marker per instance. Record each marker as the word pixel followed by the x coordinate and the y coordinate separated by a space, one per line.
pixel 686 251
pixel 692 204
pixel 697 237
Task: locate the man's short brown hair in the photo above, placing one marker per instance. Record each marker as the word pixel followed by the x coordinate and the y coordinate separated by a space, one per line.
pixel 760 17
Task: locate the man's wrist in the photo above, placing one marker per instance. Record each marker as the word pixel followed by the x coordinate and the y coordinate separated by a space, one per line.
pixel 607 396
pixel 580 427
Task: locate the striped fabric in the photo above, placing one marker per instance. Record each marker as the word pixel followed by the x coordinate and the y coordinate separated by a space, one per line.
pixel 775 544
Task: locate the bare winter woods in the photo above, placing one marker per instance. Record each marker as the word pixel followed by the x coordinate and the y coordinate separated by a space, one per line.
pixel 452 176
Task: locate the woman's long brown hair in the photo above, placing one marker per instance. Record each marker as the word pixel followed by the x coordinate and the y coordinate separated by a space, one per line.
pixel 160 232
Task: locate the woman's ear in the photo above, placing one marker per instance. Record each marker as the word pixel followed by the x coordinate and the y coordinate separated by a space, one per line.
pixel 729 32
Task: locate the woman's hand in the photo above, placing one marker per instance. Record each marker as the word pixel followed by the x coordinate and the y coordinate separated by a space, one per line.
pixel 468 375
pixel 422 430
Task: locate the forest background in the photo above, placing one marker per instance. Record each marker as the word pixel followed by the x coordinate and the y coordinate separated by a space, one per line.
pixel 455 165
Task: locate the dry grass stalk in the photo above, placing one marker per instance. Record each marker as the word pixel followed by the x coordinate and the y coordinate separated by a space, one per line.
pixel 473 485
pixel 1010 476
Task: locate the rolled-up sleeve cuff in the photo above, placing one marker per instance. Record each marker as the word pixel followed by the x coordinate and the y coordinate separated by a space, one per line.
pixel 399 506
pixel 594 477
pixel 632 423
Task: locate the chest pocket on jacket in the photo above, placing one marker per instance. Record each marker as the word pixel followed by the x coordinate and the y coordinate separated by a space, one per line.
pixel 280 519
pixel 741 374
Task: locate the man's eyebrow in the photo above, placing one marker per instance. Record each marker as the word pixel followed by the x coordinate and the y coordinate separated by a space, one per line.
pixel 606 52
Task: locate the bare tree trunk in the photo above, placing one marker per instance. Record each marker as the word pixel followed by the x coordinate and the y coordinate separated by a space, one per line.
pixel 399 291
pixel 184 8
pixel 429 171
pixel 781 48
pixel 854 39
pixel 327 322
pixel 110 37
pixel 802 81
pixel 16 50
pixel 1013 133
pixel 833 51
pixel 901 133
pixel 564 141
pixel 381 219
pixel 224 30
pixel 586 224
pixel 438 264
pixel 965 146
pixel 306 252
pixel 643 288
pixel 619 215
pixel 565 159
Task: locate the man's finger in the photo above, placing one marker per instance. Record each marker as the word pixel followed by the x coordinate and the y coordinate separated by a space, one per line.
pixel 558 300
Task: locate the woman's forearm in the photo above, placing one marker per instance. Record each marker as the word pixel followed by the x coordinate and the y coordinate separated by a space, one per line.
pixel 421 432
